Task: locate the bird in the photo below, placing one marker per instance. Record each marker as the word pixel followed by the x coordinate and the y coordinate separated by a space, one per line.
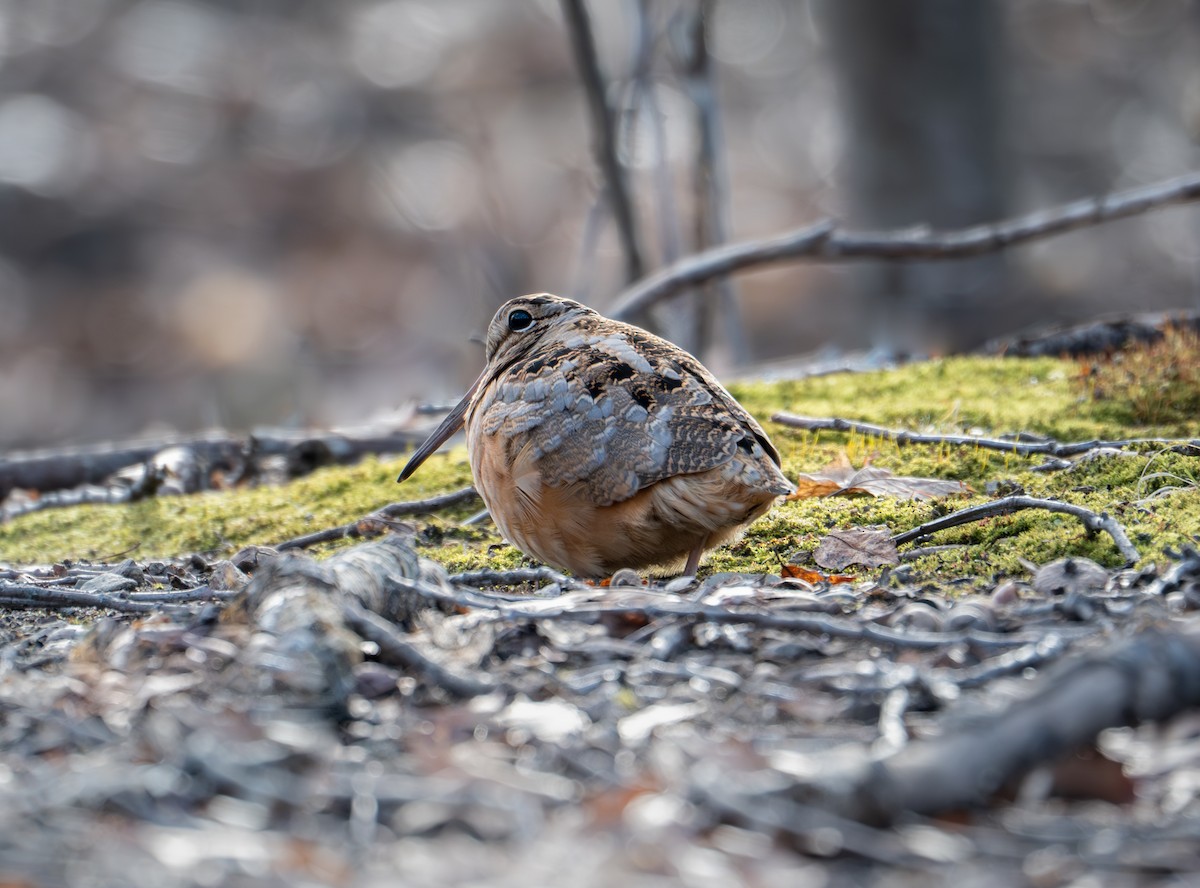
pixel 597 445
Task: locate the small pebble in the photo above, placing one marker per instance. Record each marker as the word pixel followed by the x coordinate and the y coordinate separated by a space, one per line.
pixel 1070 575
pixel 917 615
pixel 971 615
pixel 1007 593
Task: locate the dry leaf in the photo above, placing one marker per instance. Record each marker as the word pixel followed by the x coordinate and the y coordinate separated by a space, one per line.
pixel 796 572
pixel 607 807
pixel 840 476
pixel 1090 774
pixel 869 546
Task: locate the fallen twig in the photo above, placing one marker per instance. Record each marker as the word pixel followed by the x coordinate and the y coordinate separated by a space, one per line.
pixel 1149 677
pixel 1018 446
pixel 825 240
pixel 145 484
pixel 1049 648
pixel 1093 521
pixel 25 595
pixel 517 577
pixel 364 528
pixel 183 596
pixel 395 651
pixel 591 604
pixel 59 469
pixel 380 520
pixel 432 504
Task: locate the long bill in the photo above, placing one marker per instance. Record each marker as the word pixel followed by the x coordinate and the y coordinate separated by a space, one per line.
pixel 451 424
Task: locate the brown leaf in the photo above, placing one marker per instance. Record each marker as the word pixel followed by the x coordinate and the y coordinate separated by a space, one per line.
pixel 912 488
pixel 1090 774
pixel 796 572
pixel 840 476
pixel 869 546
pixel 607 807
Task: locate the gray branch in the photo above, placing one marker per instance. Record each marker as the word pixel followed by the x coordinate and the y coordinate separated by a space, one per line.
pixel 1020 447
pixel 381 519
pixel 604 132
pixel 826 241
pixel 1147 678
pixel 1093 521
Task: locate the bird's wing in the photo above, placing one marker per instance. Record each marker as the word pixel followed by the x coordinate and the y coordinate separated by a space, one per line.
pixel 619 411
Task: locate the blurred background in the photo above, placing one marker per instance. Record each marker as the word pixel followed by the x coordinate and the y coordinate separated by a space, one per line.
pixel 219 213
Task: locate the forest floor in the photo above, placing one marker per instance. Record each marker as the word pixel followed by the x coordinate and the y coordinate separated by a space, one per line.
pixel 854 694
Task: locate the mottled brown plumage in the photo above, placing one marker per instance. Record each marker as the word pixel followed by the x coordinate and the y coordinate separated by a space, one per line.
pixel 597 445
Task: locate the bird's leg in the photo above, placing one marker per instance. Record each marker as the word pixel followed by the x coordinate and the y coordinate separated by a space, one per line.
pixel 693 561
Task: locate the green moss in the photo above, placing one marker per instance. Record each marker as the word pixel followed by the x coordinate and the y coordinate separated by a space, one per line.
pixel 987 395
pixel 1152 493
pixel 220 523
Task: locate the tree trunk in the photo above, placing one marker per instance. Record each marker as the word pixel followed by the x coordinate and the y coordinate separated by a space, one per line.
pixel 920 91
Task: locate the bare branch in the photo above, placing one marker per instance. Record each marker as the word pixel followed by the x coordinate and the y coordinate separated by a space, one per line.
pixel 1022 448
pixel 1147 678
pixel 826 241
pixel 604 132
pixel 710 182
pixel 25 595
pixel 669 237
pixel 1093 521
pixel 57 469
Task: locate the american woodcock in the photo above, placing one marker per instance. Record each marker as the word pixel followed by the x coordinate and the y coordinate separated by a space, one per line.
pixel 597 445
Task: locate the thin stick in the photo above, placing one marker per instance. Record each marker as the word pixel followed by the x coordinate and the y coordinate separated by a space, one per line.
pixel 824 240
pixel 427 506
pixel 183 596
pixel 643 92
pixel 711 187
pixel 518 576
pixel 1093 521
pixel 604 132
pixel 1022 448
pixel 394 650
pixel 1047 650
pixel 593 604
pixel 380 520
pixel 24 596
pixel 892 731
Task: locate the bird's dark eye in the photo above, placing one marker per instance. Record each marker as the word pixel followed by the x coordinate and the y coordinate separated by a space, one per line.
pixel 519 320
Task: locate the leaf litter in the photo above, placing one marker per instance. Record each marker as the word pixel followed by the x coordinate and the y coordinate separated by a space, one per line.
pixel 371 718
pixel 841 478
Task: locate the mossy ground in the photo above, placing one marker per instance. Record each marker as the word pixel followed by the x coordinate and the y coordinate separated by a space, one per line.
pixel 1154 493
